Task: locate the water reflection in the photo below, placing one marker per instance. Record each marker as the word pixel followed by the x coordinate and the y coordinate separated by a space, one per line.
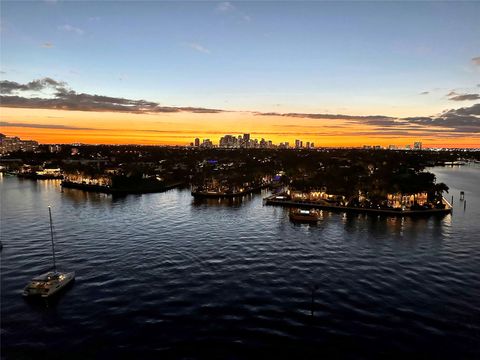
pixel 224 202
pixel 80 196
pixel 49 304
pixel 158 270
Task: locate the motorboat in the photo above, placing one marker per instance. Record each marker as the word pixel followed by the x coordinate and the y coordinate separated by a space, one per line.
pixel 301 215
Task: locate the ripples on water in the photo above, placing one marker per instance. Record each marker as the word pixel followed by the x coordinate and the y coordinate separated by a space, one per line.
pixel 162 275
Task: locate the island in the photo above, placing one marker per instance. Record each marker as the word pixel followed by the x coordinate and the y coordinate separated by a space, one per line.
pixel 383 181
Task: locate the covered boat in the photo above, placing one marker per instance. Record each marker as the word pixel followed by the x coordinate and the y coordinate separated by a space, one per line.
pixel 301 215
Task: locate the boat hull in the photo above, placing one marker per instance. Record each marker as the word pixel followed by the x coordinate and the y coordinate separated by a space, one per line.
pixel 304 216
pixel 48 288
pixel 305 219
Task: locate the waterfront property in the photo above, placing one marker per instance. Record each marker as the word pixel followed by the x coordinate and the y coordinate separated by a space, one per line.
pixel 343 177
pixel 49 173
pixel 400 209
pixel 222 189
pixel 224 192
pixel 407 201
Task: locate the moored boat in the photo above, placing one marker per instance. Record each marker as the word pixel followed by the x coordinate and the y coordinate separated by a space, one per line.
pixel 301 215
pixel 50 283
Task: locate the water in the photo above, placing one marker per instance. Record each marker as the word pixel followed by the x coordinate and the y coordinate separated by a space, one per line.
pixel 161 275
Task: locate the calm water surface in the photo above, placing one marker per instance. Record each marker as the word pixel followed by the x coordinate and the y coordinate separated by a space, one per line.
pixel 161 275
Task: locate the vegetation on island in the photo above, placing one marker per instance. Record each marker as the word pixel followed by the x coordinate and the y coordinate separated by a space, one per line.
pixel 350 173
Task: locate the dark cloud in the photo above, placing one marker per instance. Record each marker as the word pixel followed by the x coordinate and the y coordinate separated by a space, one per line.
pixel 476 60
pixel 43 126
pixel 65 98
pixel 199 110
pixel 419 119
pixel 465 120
pixel 9 87
pixel 471 110
pixel 425 93
pixel 455 96
pixel 464 97
pixel 461 121
pixel 372 119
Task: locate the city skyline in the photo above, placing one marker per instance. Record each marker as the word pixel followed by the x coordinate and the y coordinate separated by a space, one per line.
pixel 281 71
pixel 240 141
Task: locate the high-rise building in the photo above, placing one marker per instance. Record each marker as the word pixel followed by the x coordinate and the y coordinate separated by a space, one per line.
pixel 228 141
pixel 11 144
pixel 207 144
pixel 417 145
pixel 54 148
pixel 197 142
pixel 298 144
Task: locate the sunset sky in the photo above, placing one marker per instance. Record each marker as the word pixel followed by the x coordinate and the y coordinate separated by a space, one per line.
pixel 335 73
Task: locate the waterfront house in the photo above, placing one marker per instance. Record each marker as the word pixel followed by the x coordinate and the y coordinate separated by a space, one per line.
pixel 399 200
pixel 317 195
pixel 54 172
pixel 82 178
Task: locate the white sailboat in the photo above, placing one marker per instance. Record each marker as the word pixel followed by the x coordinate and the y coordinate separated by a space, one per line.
pixel 50 283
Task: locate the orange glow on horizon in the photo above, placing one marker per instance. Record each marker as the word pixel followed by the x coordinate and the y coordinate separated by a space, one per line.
pixel 182 127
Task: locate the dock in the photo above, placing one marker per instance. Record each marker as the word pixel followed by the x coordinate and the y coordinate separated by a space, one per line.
pixel 278 201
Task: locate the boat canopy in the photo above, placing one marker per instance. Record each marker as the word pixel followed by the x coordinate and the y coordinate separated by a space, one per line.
pixel 46 277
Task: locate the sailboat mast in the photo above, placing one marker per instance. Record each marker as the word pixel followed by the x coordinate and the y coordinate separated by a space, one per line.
pixel 51 234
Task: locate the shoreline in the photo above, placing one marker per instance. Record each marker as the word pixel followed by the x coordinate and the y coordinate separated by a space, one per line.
pixel 117 191
pixel 205 195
